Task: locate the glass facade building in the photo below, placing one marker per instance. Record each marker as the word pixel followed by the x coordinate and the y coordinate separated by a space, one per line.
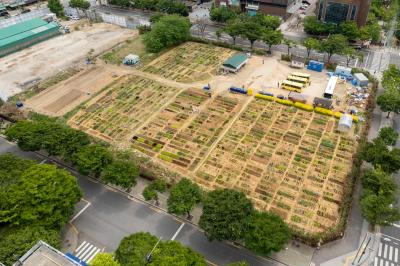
pixel 337 11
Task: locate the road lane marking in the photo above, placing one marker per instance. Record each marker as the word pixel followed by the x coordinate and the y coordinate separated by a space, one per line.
pixel 396 254
pixel 87 251
pixel 376 261
pixel 91 254
pixel 83 248
pixel 390 252
pixel 81 211
pixel 384 251
pixel 381 263
pixel 90 259
pixel 380 249
pixel 177 231
pixel 42 162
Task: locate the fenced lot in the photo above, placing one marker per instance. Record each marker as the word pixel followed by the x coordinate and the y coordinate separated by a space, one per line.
pixel 189 62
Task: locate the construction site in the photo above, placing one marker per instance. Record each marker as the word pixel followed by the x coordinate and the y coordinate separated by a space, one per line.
pixel 284 136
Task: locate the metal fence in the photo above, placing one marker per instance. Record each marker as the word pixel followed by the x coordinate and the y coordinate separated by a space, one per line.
pixel 130 22
pixel 24 17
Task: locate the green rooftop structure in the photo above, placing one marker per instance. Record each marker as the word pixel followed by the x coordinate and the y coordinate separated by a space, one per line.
pixel 235 62
pixel 24 34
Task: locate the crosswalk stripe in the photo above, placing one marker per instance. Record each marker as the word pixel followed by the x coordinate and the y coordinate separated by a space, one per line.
pixel 392 264
pixel 87 251
pixel 90 254
pixel 83 249
pixel 390 252
pixel 385 251
pixel 80 246
pixel 380 250
pixel 396 254
pixel 376 261
pixel 381 263
pixel 387 263
pixel 91 257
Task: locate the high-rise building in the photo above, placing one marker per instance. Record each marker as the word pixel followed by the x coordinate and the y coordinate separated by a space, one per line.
pixel 337 11
pixel 280 8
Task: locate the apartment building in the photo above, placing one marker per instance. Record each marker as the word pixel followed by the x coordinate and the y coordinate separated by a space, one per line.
pixel 337 11
pixel 280 8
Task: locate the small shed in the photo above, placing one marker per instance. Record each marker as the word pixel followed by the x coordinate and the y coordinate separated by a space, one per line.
pixel 345 123
pixel 297 97
pixel 235 62
pixel 298 62
pixel 343 71
pixel 315 66
pixel 322 102
pixel 131 59
pixel 361 79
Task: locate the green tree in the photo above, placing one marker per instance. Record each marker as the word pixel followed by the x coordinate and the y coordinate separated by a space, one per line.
pixel 223 14
pixel 183 196
pixel 272 37
pixel 334 44
pixel 56 7
pixel 289 44
pixel 378 209
pixel 174 253
pixel 132 250
pixel 15 242
pixel 44 195
pixel 267 232
pixel 391 77
pixel 311 44
pixel 28 135
pixel 350 30
pixel 377 153
pixel 389 101
pixel 234 28
pixel 315 27
pixel 169 31
pixel 350 54
pixel 155 17
pixel 271 22
pixel 225 214
pixel 388 135
pixel 92 159
pixel 239 263
pixel 253 32
pixel 120 172
pixel 104 259
pixel 150 191
pixel 379 183
pixel 79 4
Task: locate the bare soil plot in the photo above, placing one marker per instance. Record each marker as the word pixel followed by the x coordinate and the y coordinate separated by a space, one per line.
pixel 287 160
pixel 63 97
pixel 51 56
pixel 189 62
pixel 120 109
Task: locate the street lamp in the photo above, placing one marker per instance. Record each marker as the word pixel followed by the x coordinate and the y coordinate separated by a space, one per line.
pixel 148 256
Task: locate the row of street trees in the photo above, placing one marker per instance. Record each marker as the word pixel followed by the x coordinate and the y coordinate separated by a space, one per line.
pixel 36 201
pixel 164 6
pixel 57 8
pixel 227 215
pixel 379 188
pixel 389 100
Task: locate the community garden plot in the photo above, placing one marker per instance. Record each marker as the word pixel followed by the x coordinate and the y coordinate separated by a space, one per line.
pixel 189 62
pixel 121 108
pixel 287 160
pixel 182 134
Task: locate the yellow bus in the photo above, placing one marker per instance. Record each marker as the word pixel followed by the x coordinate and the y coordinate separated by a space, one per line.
pixel 302 75
pixel 298 80
pixel 292 86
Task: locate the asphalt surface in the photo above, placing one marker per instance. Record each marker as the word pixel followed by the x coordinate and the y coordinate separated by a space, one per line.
pixel 111 216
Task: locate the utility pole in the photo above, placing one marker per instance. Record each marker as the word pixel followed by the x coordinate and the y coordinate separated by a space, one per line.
pixel 148 256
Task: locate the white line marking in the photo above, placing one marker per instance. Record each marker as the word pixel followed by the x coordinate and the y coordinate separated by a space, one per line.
pixel 376 261
pixel 87 251
pixel 385 251
pixel 83 249
pixel 387 263
pixel 80 246
pixel 391 237
pixel 90 254
pixel 80 212
pixel 396 254
pixel 177 231
pixel 390 252
pixel 381 262
pixel 380 250
pixel 42 162
pixel 89 259
pixel 396 225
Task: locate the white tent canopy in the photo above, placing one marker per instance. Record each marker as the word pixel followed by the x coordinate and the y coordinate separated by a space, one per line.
pixel 345 123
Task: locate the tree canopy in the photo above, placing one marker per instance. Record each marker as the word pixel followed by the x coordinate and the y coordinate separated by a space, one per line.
pixel 267 232
pixel 80 4
pixel 150 191
pixel 311 44
pixel 388 135
pixel 378 210
pixel 377 153
pixel 56 7
pixel 183 196
pixel 120 172
pixel 92 159
pixel 334 44
pixel 132 250
pixel 226 214
pixel 389 101
pixel 17 241
pixel 44 195
pixel 272 37
pixel 169 31
pixel 174 253
pixel 104 259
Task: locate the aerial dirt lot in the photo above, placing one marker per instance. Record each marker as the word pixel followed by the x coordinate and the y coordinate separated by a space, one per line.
pixel 49 57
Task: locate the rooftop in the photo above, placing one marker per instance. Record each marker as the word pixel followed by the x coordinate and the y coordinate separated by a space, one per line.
pixel 42 254
pixel 21 27
pixel 236 61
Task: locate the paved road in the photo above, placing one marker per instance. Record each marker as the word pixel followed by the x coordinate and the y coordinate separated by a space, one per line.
pixel 111 216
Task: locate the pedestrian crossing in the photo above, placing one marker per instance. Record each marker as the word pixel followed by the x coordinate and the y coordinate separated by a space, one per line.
pixel 388 253
pixel 86 251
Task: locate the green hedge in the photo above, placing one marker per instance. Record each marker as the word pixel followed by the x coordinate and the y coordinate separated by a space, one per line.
pixel 303 106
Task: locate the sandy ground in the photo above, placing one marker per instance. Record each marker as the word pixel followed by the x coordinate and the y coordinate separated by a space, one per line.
pixel 63 97
pixel 49 57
